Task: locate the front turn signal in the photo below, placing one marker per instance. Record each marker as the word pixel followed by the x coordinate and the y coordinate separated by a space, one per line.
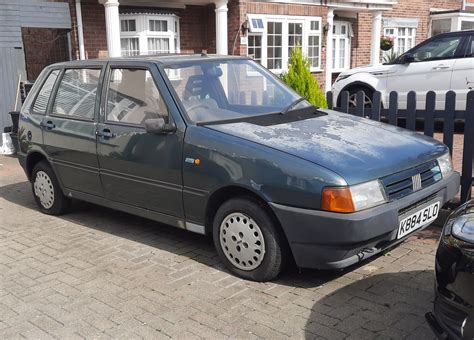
pixel 337 200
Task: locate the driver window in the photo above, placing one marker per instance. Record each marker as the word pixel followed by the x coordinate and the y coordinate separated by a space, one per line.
pixel 437 49
pixel 133 97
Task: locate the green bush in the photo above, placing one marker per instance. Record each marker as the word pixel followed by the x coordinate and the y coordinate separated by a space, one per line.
pixel 300 79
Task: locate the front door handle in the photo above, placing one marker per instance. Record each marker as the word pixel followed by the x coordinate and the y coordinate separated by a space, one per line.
pixel 441 67
pixel 105 133
pixel 49 125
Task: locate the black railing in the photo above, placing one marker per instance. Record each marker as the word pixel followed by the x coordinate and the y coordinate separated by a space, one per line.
pixel 392 115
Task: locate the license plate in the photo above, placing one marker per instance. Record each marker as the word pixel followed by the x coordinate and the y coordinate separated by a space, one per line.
pixel 418 219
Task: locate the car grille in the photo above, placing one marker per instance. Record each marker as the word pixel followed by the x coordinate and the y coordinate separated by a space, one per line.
pixel 402 184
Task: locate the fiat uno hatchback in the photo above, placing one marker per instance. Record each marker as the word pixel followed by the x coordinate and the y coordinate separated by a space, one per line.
pixel 218 145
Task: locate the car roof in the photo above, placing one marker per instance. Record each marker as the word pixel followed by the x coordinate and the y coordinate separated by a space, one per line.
pixel 162 59
pixel 447 34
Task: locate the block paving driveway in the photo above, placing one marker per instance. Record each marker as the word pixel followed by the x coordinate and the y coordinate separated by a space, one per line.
pixel 98 273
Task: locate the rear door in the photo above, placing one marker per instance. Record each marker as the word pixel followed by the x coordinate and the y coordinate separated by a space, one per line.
pixel 69 128
pixel 463 74
pixel 431 71
pixel 139 168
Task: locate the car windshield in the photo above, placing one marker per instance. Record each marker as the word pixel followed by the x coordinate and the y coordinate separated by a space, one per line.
pixel 217 90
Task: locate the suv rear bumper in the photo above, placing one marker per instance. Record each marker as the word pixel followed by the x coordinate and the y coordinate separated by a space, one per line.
pixel 326 240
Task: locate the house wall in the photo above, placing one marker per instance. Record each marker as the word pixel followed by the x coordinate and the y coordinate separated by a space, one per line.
pixel 42 47
pixel 419 9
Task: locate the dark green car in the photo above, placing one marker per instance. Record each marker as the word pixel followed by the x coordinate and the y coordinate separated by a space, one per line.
pixel 219 145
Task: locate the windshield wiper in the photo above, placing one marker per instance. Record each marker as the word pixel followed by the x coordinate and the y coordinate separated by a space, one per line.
pixel 293 104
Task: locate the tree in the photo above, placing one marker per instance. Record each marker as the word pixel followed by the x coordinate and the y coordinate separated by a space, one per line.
pixel 300 79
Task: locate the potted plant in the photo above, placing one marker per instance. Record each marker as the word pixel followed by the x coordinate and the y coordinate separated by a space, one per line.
pixel 386 43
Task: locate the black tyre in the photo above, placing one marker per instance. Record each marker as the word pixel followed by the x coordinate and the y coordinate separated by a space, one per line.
pixel 248 241
pixel 368 95
pixel 46 190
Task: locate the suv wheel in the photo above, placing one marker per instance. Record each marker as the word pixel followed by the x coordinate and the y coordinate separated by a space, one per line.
pixel 247 241
pixel 46 190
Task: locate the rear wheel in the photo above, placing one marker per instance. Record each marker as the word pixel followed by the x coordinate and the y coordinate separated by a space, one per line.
pixel 46 190
pixel 247 240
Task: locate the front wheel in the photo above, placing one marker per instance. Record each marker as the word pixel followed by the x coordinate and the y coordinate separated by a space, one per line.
pixel 46 190
pixel 248 241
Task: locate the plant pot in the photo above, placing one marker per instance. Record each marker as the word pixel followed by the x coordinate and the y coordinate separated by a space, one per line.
pixel 386 47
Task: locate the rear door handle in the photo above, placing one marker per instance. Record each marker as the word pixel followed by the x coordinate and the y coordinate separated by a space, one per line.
pixel 441 67
pixel 49 125
pixel 105 133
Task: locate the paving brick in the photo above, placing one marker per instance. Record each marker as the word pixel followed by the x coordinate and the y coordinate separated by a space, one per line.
pixel 97 273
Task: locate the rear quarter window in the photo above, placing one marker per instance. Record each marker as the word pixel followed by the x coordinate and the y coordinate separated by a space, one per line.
pixel 42 99
pixel 76 95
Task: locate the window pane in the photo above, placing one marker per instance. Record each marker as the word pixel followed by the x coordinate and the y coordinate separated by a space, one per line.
pixel 440 48
pixel 158 25
pixel 158 45
pixel 129 46
pixel 440 26
pixel 314 25
pixel 467 25
pixel 128 25
pixel 254 47
pixel 295 36
pixel 313 50
pixel 133 97
pixel 41 102
pixel 77 93
pixel 274 45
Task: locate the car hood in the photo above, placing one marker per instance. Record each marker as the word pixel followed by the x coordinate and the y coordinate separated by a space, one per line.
pixel 358 149
pixel 373 69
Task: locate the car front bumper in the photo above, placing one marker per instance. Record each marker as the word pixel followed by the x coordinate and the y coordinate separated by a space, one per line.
pixel 326 240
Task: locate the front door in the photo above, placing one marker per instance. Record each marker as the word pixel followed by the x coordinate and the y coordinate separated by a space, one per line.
pixel 431 70
pixel 463 75
pixel 69 129
pixel 139 168
pixel 341 48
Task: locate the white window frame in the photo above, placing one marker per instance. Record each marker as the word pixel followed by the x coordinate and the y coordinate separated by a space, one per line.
pixel 143 31
pixel 456 19
pixel 285 19
pixel 346 40
pixel 398 37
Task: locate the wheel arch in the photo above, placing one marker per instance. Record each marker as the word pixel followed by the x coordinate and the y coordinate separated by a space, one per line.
pixel 33 158
pixel 221 195
pixel 355 84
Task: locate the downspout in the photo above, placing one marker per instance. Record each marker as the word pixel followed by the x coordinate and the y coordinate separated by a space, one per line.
pixel 80 32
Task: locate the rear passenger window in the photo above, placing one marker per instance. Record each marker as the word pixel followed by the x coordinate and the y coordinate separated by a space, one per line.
pixel 76 94
pixel 133 97
pixel 41 102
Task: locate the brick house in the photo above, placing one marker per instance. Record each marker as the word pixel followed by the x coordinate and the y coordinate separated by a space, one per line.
pixel 347 32
pixel 344 32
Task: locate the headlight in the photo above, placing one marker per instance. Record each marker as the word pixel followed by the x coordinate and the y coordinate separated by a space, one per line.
pixel 463 228
pixel 342 77
pixel 445 164
pixel 354 198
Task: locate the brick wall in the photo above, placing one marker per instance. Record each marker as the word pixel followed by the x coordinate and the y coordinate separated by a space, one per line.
pixel 42 47
pixel 197 32
pixel 419 9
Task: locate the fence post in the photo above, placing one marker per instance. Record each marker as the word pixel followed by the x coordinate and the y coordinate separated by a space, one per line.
pixel 345 102
pixel 448 120
pixel 411 111
pixel 429 113
pixel 376 101
pixel 329 99
pixel 360 107
pixel 393 108
pixel 468 149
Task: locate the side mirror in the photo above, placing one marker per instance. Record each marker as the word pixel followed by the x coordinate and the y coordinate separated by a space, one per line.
pixel 407 58
pixel 158 126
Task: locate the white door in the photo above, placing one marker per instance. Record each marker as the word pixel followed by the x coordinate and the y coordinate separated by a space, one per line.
pixel 462 80
pixel 341 47
pixel 430 70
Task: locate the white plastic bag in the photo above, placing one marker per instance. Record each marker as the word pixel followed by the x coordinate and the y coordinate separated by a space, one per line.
pixel 7 147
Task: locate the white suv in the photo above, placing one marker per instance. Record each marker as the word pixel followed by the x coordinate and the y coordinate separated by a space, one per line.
pixel 442 63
